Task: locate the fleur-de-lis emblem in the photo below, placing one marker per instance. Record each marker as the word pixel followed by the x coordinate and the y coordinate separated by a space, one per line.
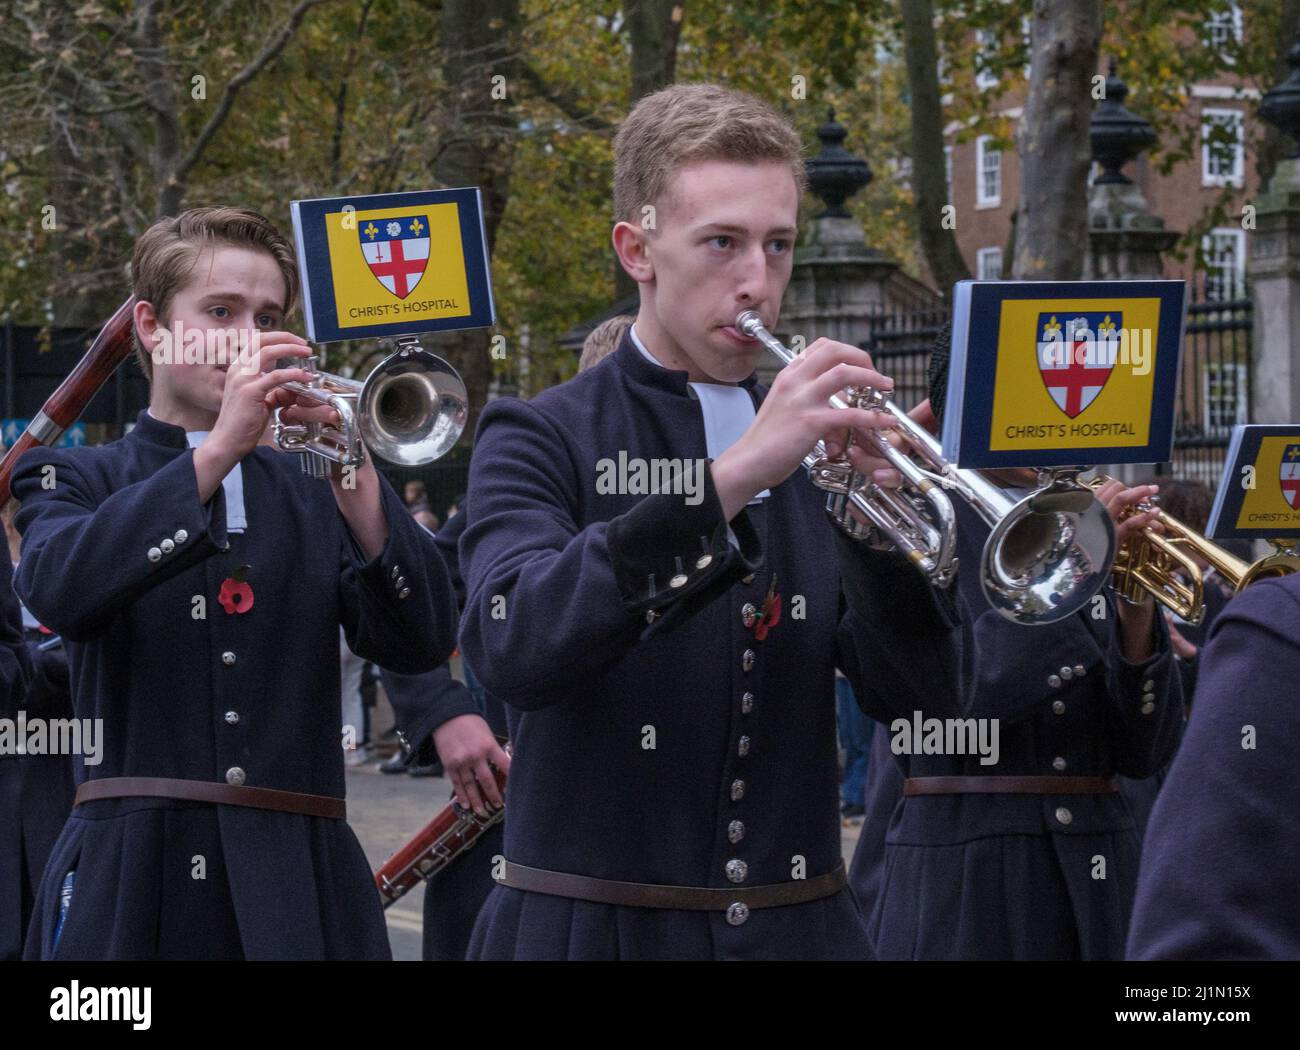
pixel 416 227
pixel 370 230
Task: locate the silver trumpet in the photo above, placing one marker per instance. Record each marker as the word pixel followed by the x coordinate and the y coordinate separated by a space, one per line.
pixel 1048 552
pixel 410 411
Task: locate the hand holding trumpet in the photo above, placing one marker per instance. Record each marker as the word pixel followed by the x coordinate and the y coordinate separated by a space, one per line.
pixel 795 415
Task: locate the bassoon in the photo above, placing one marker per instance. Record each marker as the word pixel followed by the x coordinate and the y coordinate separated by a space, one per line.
pixel 453 831
pixel 63 407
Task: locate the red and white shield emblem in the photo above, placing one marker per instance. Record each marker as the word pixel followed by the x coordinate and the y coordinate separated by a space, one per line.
pixel 1076 358
pixel 1291 475
pixel 397 251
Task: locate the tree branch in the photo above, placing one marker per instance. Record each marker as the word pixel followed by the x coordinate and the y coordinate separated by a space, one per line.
pixel 272 50
pixel 563 101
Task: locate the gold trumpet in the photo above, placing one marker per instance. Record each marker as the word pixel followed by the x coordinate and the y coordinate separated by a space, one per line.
pixel 1152 564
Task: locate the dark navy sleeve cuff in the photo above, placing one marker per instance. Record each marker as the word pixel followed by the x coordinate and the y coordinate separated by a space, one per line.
pixel 666 552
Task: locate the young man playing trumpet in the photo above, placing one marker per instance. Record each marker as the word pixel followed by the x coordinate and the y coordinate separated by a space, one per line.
pixel 670 655
pixel 199 581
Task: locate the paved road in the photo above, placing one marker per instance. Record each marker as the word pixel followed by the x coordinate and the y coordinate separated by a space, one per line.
pixel 386 811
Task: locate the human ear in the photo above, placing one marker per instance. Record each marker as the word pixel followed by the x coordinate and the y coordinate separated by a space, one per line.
pixel 630 244
pixel 146 323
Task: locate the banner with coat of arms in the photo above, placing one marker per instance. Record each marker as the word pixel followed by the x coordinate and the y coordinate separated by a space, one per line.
pixel 393 264
pixel 1062 373
pixel 1259 493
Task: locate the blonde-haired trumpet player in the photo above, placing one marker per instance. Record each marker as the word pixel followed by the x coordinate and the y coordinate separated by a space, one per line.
pixel 669 656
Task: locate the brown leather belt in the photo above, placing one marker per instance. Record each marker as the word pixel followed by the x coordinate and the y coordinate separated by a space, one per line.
pixel 210 791
pixel 1010 785
pixel 682 898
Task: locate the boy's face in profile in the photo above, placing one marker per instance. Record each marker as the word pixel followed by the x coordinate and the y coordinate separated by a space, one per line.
pixel 239 290
pixel 723 242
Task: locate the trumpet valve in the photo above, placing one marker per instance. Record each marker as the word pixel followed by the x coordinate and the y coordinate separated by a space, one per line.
pixel 833 475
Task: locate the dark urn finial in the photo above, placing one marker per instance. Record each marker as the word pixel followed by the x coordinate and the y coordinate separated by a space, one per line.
pixel 1281 105
pixel 835 175
pixel 1117 134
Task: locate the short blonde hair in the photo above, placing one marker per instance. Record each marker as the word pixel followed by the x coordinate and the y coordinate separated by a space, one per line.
pixel 603 340
pixel 167 251
pixel 690 122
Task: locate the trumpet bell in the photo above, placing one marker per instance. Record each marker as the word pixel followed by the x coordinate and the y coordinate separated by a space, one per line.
pixel 413 408
pixel 1047 557
pixel 1280 563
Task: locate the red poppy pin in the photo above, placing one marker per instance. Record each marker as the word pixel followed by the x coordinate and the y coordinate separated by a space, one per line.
pixel 771 612
pixel 236 595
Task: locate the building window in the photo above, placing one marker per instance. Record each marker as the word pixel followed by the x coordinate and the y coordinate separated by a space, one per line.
pixel 1224 251
pixel 1224 396
pixel 986 48
pixel 947 173
pixel 988 264
pixel 1223 150
pixel 988 174
pixel 1222 28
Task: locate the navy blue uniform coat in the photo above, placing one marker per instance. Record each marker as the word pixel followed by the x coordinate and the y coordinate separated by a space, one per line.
pixel 196 698
pixel 35 797
pixel 562 580
pixel 15 661
pixel 1221 858
pixel 422 703
pixel 16 677
pixel 980 876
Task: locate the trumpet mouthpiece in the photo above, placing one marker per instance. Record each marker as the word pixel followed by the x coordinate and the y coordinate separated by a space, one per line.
pixel 748 323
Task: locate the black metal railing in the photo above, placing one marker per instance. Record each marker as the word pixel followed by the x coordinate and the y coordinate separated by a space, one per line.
pixel 1213 382
pixel 900 343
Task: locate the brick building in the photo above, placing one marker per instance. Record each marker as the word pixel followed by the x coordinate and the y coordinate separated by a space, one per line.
pixel 983 181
